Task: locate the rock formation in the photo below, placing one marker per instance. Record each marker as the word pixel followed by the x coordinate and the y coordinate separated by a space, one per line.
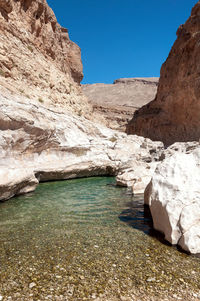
pixel 118 101
pixel 37 58
pixel 174 115
pixel 41 137
pixel 44 134
pixel 40 143
pixel 174 198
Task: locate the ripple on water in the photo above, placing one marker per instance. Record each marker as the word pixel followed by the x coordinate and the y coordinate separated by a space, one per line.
pixel 83 238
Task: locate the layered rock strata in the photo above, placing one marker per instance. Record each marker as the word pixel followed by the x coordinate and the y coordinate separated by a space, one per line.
pixel 174 199
pixel 174 115
pixel 40 143
pixel 118 101
pixel 37 58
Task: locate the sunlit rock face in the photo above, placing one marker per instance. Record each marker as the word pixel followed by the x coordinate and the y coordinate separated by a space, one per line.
pixel 37 58
pixel 174 199
pixel 118 101
pixel 41 143
pixel 43 131
pixel 174 115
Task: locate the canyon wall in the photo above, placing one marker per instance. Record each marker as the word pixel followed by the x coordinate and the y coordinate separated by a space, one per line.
pixel 40 143
pixel 174 115
pixel 44 134
pixel 117 102
pixel 37 58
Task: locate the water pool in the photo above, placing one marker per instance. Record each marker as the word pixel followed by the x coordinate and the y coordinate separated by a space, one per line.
pixel 86 239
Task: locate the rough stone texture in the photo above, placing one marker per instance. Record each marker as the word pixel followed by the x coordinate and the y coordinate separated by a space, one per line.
pixel 41 143
pixel 137 177
pixel 16 182
pixel 118 101
pixel 174 115
pixel 174 199
pixel 37 58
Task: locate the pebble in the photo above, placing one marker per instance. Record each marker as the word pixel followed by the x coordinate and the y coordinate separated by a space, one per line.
pixel 151 279
pixel 32 284
pixel 1 297
pixel 178 298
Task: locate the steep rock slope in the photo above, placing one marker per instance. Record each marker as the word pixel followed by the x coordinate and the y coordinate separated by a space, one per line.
pixel 37 58
pixel 174 115
pixel 40 136
pixel 118 101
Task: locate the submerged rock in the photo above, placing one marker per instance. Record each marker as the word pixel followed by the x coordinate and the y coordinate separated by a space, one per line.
pixel 174 199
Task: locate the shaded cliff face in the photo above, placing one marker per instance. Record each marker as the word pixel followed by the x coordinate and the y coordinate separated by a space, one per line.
pixel 117 102
pixel 174 115
pixel 37 58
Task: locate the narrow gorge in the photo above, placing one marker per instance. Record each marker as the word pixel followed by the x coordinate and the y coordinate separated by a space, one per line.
pixel 74 185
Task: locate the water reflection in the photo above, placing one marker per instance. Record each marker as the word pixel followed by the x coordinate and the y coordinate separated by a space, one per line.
pixel 138 216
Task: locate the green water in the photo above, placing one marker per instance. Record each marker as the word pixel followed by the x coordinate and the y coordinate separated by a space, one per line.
pixel 83 239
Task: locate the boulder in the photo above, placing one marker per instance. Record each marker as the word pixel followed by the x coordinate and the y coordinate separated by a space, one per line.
pixel 173 196
pixel 137 177
pixel 16 181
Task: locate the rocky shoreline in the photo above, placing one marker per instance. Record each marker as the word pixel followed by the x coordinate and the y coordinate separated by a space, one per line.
pixel 49 130
pixel 41 143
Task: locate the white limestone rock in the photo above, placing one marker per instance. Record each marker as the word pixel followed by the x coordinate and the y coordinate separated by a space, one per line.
pixel 190 240
pixel 137 177
pixel 16 181
pixel 174 199
pixel 44 142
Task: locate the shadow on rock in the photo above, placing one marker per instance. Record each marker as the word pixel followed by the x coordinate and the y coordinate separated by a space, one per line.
pixel 138 216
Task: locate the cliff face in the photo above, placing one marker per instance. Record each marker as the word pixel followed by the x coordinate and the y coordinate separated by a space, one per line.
pixel 118 101
pixel 174 115
pixel 40 139
pixel 37 58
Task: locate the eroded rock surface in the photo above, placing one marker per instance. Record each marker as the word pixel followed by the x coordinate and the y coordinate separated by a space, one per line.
pixel 41 143
pixel 174 199
pixel 174 115
pixel 37 58
pixel 118 101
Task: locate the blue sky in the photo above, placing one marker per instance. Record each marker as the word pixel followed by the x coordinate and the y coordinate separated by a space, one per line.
pixel 122 38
